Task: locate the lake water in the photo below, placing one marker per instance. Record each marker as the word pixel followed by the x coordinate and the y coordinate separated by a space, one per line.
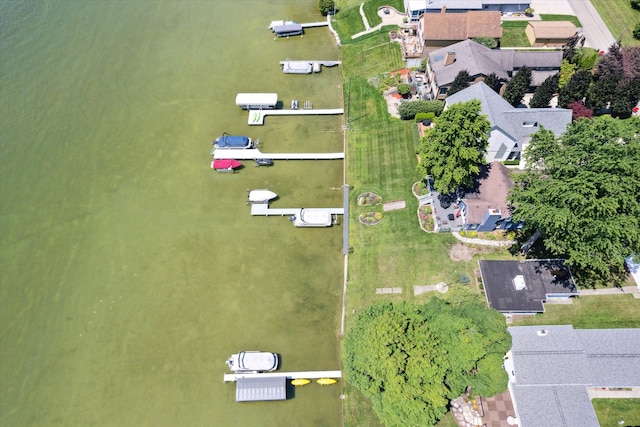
pixel 130 271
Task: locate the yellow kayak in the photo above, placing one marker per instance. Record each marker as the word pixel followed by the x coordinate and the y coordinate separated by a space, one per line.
pixel 300 382
pixel 326 381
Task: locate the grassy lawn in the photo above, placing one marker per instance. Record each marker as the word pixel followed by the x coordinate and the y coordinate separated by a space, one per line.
pixel 513 34
pixel 570 18
pixel 611 411
pixel 588 312
pixel 620 18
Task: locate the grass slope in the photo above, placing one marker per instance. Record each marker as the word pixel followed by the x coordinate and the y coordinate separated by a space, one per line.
pixel 620 18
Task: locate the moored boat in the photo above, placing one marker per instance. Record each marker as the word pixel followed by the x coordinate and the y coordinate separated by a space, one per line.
pixel 288 30
pixel 253 361
pixel 225 165
pixel 312 218
pixel 261 196
pixel 298 382
pixel 264 162
pixel 279 23
pixel 297 67
pixel 230 141
pixel 326 381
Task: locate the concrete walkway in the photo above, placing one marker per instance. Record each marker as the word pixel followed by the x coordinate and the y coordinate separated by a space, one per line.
pixel 392 18
pixel 611 291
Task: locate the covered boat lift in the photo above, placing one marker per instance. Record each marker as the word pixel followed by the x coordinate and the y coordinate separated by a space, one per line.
pixel 257 101
pixel 261 388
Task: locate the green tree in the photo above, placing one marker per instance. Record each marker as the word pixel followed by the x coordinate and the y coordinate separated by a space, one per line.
pixel 581 192
pixel 543 94
pixel 576 89
pixel 567 70
pixel 403 89
pixel 459 83
pixel 453 151
pixel 326 6
pixel 410 360
pixel 409 109
pixel 635 4
pixel 636 31
pixel 493 82
pixel 517 86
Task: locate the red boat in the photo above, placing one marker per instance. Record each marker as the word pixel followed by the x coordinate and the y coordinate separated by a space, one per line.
pixel 225 165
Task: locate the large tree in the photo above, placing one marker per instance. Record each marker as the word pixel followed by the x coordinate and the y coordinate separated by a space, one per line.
pixel 581 192
pixel 543 94
pixel 517 86
pixel 493 81
pixel 410 360
pixel 459 83
pixel 453 151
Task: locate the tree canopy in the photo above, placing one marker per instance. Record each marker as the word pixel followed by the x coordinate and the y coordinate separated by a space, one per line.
pixel 410 360
pixel 453 151
pixel 325 6
pixel 543 94
pixel 493 82
pixel 517 86
pixel 581 191
pixel 459 83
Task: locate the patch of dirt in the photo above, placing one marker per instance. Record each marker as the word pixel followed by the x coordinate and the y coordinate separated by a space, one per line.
pixel 462 252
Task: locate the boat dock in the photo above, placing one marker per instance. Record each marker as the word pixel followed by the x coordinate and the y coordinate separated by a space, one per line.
pixel 262 209
pixel 254 154
pixel 287 375
pixel 315 24
pixel 256 117
pixel 290 66
pixel 325 63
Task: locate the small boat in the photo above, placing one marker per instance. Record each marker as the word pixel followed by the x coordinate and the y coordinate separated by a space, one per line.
pixel 264 162
pixel 278 23
pixel 312 218
pixel 326 381
pixel 298 382
pixel 261 196
pixel 294 104
pixel 297 67
pixel 253 361
pixel 225 165
pixel 230 141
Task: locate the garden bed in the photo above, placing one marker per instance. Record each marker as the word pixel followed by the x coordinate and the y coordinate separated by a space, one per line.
pixel 371 218
pixel 425 217
pixel 369 199
pixel 420 189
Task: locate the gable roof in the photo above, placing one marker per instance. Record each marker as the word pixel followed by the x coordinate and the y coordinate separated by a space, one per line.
pixel 542 278
pixel 552 29
pixel 551 370
pixel 480 60
pixel 491 194
pixel 461 26
pixel 509 119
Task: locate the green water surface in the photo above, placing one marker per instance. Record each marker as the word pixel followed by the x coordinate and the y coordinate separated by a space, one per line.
pixel 129 271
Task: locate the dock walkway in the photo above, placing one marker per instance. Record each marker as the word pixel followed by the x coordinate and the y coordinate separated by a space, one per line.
pixel 256 117
pixel 254 153
pixel 315 24
pixel 288 375
pixel 262 209
pixel 312 62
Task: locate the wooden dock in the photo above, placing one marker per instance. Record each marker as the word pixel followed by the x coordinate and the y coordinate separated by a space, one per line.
pixel 256 117
pixel 254 153
pixel 288 375
pixel 315 24
pixel 262 209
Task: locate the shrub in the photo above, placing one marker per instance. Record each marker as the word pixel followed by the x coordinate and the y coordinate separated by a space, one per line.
pixel 408 110
pixel 403 89
pixel 489 42
pixel 636 31
pixel 378 216
pixel 421 116
pixel 325 6
pixel 636 5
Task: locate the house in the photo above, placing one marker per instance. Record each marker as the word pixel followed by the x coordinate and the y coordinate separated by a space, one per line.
pixel 555 371
pixel 444 64
pixel 522 287
pixel 416 8
pixel 549 33
pixel 444 29
pixel 511 128
pixel 486 209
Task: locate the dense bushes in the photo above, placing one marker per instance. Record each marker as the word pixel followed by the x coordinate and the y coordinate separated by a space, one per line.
pixel 409 109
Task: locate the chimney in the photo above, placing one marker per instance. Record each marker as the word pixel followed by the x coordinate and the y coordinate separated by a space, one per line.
pixel 444 9
pixel 450 58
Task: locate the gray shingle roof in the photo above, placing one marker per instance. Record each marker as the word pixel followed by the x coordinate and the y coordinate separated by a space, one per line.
pixel 553 370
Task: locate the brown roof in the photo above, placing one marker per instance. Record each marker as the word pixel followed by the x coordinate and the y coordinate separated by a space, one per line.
pixel 492 194
pixel 553 29
pixel 462 26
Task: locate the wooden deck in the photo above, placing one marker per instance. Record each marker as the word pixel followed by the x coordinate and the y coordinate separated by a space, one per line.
pixel 263 209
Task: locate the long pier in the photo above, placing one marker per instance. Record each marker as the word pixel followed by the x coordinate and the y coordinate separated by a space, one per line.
pixel 256 117
pixel 254 153
pixel 262 209
pixel 315 24
pixel 288 375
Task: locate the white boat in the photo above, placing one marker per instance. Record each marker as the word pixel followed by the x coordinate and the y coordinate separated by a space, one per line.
pixel 312 218
pixel 297 67
pixel 261 196
pixel 280 23
pixel 253 361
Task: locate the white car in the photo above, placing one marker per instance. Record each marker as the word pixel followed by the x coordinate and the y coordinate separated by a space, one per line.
pixel 253 361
